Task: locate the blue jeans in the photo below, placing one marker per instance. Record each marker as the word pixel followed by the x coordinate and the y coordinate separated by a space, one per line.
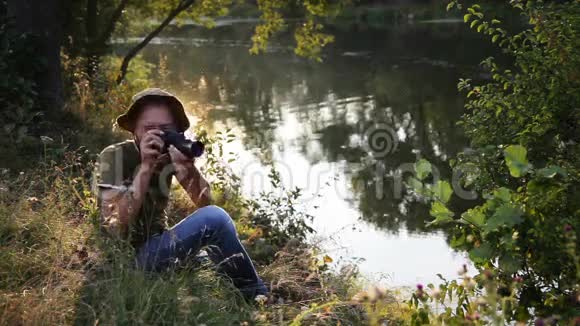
pixel 209 226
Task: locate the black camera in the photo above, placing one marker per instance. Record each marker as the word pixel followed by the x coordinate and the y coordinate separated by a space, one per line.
pixel 189 148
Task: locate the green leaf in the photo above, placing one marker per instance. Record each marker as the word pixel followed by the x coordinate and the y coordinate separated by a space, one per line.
pixel 471 172
pixel 509 264
pixel 441 213
pixel 504 194
pixel 474 216
pixel 473 23
pixel 422 168
pixel 456 242
pixel 442 190
pixel 466 17
pixel 416 185
pixel 551 171
pixel 506 215
pixel 481 254
pixel 495 38
pixel 450 5
pixel 516 160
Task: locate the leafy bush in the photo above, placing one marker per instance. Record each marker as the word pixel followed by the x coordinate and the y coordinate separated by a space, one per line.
pixel 272 218
pixel 523 128
pixel 278 216
pixel 17 90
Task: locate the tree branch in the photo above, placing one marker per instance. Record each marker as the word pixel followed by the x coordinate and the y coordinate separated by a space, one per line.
pixel 108 31
pixel 133 52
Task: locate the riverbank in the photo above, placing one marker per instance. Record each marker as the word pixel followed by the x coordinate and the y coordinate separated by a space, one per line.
pixel 57 269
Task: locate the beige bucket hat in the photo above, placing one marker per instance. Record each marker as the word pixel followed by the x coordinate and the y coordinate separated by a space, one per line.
pixel 127 119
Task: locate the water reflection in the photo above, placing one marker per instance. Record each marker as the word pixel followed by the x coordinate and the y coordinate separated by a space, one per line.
pixel 318 115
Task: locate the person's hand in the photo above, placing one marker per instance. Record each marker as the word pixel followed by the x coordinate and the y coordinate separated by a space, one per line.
pixel 190 178
pixel 179 160
pixel 151 146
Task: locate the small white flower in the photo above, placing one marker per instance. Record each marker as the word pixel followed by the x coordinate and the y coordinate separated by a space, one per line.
pixel 481 301
pixel 261 299
pixel 46 140
pixel 436 293
pixel 377 293
pixel 469 283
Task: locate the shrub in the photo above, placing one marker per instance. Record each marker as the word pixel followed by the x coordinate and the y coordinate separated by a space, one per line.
pixel 523 128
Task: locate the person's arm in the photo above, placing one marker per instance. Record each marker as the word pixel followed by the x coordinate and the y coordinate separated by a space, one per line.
pixel 190 178
pixel 120 205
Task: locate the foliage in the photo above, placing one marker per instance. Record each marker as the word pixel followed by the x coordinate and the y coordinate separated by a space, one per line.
pixel 56 269
pixel 18 93
pixel 91 35
pixel 523 127
pixel 277 216
pixel 91 98
pixel 273 215
pixel 308 36
pixel 473 300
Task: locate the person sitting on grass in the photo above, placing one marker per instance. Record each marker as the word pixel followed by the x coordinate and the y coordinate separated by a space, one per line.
pixel 134 181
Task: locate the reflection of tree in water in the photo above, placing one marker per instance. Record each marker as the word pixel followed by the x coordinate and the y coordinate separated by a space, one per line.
pixel 334 103
pixel 418 103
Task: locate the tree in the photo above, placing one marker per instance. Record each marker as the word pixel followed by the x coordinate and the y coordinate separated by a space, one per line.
pixel 523 129
pixel 309 37
pixel 42 18
pixel 181 7
pixel 97 40
pixel 88 26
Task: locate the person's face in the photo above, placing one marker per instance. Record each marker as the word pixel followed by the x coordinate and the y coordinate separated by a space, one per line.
pixel 153 116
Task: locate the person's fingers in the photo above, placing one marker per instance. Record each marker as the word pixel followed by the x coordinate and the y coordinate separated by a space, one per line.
pixel 156 143
pixel 162 158
pixel 153 140
pixel 152 143
pixel 157 132
pixel 151 152
pixel 176 155
pixel 148 137
pixel 151 146
pixel 173 152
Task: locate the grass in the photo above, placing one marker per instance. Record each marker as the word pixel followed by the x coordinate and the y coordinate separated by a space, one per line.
pixel 55 268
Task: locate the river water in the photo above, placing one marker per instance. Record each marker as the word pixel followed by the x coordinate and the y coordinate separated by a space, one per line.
pixel 381 98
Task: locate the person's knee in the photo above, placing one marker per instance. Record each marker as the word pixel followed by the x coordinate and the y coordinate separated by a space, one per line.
pixel 216 216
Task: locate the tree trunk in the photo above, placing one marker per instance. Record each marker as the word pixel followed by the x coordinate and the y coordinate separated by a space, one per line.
pixel 183 5
pixel 97 42
pixel 91 27
pixel 43 18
